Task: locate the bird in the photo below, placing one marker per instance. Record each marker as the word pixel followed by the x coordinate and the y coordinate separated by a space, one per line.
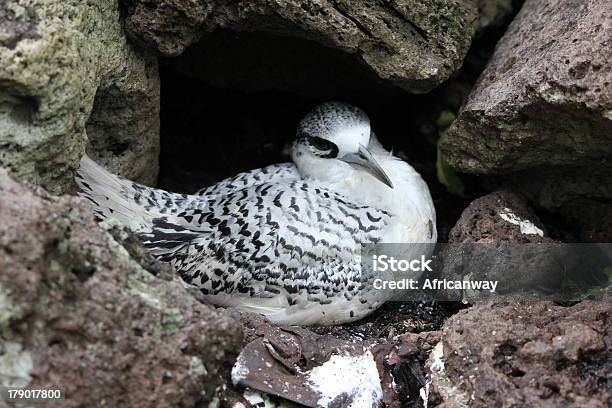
pixel 284 240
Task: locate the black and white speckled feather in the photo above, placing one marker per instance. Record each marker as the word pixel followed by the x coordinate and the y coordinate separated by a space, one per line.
pixel 275 173
pixel 284 240
pixel 264 244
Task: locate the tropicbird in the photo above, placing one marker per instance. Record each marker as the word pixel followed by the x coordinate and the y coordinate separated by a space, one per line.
pixel 284 240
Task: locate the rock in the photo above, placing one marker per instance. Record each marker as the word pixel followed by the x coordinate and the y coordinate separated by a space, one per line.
pixel 582 195
pixel 124 126
pixel 513 118
pixel 78 314
pixel 515 354
pixel 413 44
pixel 499 238
pixel 62 64
pixel 168 26
pixel 500 216
pixel 542 112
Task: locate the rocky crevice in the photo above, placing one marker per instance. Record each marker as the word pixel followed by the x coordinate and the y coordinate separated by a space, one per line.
pixel 415 46
pixel 540 113
pixel 235 78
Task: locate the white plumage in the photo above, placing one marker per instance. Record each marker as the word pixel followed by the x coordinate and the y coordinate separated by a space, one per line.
pixel 284 240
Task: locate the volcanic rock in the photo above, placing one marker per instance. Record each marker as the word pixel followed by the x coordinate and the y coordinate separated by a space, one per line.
pixel 515 354
pixel 80 315
pixel 67 74
pixel 541 113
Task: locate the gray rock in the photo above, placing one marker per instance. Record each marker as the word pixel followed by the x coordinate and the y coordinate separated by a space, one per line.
pixel 542 110
pixel 77 313
pixel 123 128
pixel 168 26
pixel 413 44
pixel 61 62
pixel 519 353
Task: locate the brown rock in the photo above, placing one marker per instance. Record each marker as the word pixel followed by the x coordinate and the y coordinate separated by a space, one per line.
pixel 525 107
pixel 499 216
pixel 541 112
pixel 168 26
pixel 80 315
pixel 499 238
pixel 518 354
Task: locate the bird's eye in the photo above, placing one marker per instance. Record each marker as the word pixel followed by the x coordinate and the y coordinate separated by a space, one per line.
pixel 320 143
pixel 323 147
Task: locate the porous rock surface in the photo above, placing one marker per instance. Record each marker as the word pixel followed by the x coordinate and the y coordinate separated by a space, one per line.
pixel 525 354
pixel 503 215
pixel 60 62
pixel 79 314
pixel 541 112
pixel 414 44
pixel 498 237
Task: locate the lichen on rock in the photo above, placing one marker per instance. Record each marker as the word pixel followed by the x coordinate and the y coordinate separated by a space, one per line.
pixel 61 61
pixel 91 320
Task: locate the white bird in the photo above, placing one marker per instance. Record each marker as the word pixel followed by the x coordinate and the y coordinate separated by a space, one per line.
pixel 285 240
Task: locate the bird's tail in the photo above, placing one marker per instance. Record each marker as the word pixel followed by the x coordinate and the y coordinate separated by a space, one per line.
pixel 112 196
pixel 132 204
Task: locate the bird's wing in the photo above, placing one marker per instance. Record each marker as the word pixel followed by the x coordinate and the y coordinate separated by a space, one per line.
pixel 136 205
pixel 128 202
pixel 265 248
pixel 275 173
pixel 268 239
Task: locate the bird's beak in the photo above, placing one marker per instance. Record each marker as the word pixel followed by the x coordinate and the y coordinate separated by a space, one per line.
pixel 364 160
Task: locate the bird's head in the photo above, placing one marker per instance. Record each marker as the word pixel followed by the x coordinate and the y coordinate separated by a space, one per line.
pixel 337 131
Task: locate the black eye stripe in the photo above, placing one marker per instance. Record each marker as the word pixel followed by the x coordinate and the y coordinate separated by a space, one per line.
pixel 324 148
pixel 320 143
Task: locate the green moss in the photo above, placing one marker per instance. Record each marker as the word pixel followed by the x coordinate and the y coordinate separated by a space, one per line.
pixel 48 82
pixel 197 366
pixel 172 320
pixel 146 293
pixel 445 119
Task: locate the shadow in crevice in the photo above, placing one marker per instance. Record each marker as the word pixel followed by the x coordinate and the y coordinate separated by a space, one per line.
pixel 232 103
